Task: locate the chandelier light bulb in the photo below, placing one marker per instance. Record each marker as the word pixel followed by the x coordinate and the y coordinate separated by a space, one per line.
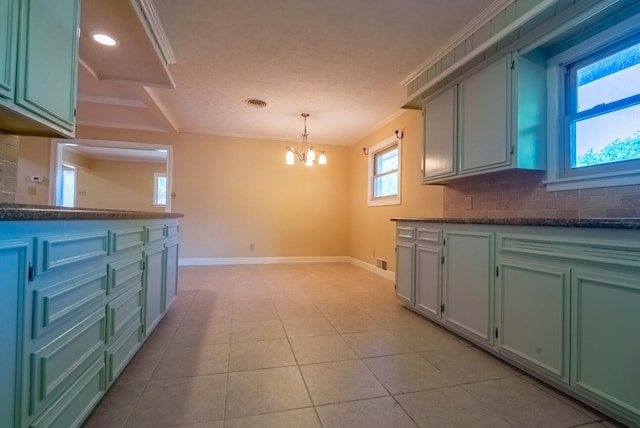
pixel 290 158
pixel 322 159
pixel 311 155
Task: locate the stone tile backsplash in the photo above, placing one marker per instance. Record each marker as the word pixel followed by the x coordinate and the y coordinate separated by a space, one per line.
pixel 521 194
pixel 9 146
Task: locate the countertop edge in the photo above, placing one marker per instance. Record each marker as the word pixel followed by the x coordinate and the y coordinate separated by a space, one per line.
pixel 603 223
pixel 19 212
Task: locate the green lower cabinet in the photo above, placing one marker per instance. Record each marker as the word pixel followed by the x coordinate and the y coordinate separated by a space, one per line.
pixel 405 253
pixel 55 366
pixel 154 283
pixel 532 314
pixel 605 351
pixel 171 286
pixel 428 280
pixel 122 350
pixel 77 401
pixel 15 256
pixel 468 284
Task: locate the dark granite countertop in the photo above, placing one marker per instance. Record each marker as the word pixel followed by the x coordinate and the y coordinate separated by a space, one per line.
pixel 21 212
pixel 612 223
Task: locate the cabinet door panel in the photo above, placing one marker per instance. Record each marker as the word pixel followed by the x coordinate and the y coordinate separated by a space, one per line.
pixel 171 288
pixel 154 287
pixel 484 118
pixel 605 341
pixel 405 272
pixel 533 307
pixel 14 263
pixel 8 24
pixel 440 135
pixel 428 274
pixel 48 52
pixel 468 283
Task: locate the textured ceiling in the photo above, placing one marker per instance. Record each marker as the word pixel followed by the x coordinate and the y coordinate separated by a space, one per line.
pixel 341 61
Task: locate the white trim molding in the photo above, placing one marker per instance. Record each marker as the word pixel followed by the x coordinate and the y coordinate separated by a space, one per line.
pixel 222 261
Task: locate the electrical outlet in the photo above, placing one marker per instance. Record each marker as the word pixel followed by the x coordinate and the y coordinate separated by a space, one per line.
pixel 252 247
pixel 468 202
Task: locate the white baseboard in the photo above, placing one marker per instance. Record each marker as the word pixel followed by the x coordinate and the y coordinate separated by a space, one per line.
pixel 258 260
pixel 219 261
pixel 372 268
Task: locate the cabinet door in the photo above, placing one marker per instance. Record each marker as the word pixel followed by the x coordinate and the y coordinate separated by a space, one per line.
pixel 484 118
pixel 440 136
pixel 8 31
pixel 405 271
pixel 428 280
pixel 14 265
pixel 171 287
pixel 154 286
pixel 605 344
pixel 48 60
pixel 533 312
pixel 468 283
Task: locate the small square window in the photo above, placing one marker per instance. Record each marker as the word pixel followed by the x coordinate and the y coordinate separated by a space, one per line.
pixel 594 93
pixel 384 173
pixel 160 189
pixel 603 94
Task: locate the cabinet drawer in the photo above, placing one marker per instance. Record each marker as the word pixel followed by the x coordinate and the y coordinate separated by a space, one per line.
pixel 433 236
pixel 63 251
pixel 173 230
pixel 154 233
pixel 122 350
pixel 56 366
pixel 406 232
pixel 78 400
pixel 124 310
pixel 124 239
pixel 59 303
pixel 571 249
pixel 125 274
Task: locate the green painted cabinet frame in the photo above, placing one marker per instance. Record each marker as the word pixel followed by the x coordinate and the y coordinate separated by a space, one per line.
pixel 39 66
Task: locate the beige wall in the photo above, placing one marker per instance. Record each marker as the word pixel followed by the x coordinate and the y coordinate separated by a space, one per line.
pixel 118 185
pixel 371 233
pixel 33 160
pixel 236 192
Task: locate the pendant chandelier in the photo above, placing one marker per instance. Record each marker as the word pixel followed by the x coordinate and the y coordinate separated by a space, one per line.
pixel 306 155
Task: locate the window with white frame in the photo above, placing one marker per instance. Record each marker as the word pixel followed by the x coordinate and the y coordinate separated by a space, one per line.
pixel 595 122
pixel 384 173
pixel 159 189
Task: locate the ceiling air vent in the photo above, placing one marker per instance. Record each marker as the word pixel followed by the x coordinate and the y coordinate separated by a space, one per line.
pixel 254 102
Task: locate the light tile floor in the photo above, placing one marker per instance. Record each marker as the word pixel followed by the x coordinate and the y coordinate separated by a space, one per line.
pixel 322 345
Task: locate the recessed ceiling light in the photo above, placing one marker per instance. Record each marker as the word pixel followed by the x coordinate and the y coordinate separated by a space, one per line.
pixel 104 39
pixel 254 102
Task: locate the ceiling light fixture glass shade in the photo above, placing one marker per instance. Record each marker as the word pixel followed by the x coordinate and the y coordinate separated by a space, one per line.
pixel 305 154
pixel 104 39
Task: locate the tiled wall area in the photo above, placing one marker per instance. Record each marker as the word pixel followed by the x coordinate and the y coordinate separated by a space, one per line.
pixel 522 194
pixel 8 167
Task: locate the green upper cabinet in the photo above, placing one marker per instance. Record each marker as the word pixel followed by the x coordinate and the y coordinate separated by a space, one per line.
pixel 440 136
pixel 483 125
pixel 497 121
pixel 41 100
pixel 8 25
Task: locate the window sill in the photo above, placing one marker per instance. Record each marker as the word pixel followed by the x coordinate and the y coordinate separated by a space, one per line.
pixel 593 181
pixel 383 202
